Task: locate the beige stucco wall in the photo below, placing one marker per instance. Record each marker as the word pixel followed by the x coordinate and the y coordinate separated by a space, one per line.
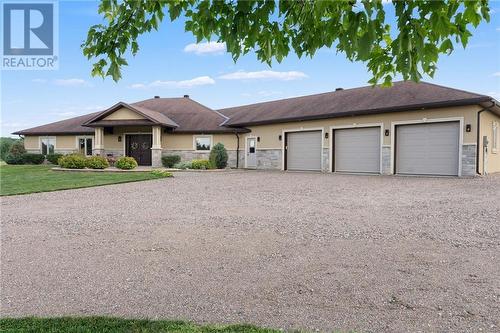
pixel 123 114
pixel 64 142
pixel 111 140
pixel 269 134
pixel 493 158
pixel 172 141
pixel 31 142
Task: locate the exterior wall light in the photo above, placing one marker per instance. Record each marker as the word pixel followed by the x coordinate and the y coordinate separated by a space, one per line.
pixel 468 128
pixel 258 139
pixel 386 132
pixel 279 137
pixel 119 138
pixel 326 135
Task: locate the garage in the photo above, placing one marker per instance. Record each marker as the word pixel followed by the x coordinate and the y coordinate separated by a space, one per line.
pixel 303 151
pixel 428 149
pixel 356 150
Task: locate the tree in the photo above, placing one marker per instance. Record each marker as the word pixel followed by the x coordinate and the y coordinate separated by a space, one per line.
pixel 423 30
pixel 218 156
pixel 5 144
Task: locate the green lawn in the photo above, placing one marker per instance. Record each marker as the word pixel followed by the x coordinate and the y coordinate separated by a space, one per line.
pixel 22 179
pixel 109 325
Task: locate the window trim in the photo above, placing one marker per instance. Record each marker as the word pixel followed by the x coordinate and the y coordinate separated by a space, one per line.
pixel 495 137
pixel 48 137
pixel 210 137
pixel 84 137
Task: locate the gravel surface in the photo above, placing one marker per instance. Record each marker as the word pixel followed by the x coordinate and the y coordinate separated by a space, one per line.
pixel 285 250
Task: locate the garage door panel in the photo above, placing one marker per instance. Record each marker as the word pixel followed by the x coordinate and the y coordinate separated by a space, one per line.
pixel 357 150
pixel 428 149
pixel 304 150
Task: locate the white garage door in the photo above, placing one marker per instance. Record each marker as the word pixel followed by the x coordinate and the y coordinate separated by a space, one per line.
pixel 428 149
pixel 357 150
pixel 303 150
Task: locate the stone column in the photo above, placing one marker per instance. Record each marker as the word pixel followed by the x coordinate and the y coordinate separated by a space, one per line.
pixel 156 148
pixel 98 141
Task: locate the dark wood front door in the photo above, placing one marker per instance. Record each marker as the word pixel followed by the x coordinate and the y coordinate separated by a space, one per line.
pixel 138 146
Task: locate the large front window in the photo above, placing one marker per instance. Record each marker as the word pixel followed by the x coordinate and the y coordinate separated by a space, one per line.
pixel 48 144
pixel 203 142
pixel 85 146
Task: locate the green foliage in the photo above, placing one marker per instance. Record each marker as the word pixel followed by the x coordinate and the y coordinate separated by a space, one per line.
pixel 5 144
pixel 201 164
pixel 53 158
pixel 14 159
pixel 423 30
pixel 72 161
pixel 161 173
pixel 170 160
pixel 115 325
pixel 17 148
pixel 97 162
pixel 126 163
pixel 33 158
pixel 218 156
pixel 183 165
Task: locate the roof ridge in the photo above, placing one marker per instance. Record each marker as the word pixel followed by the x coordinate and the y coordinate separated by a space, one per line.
pixel 455 89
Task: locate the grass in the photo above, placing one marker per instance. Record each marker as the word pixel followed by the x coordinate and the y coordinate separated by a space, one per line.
pixel 112 325
pixel 23 179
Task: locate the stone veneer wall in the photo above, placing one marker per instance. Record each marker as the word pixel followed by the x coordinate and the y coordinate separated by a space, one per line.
pixel 269 159
pixel 469 160
pixel 188 155
pixel 386 160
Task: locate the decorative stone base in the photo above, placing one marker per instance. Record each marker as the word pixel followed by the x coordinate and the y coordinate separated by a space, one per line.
pixel 469 160
pixel 98 152
pixel 156 157
pixel 269 159
pixel 386 160
pixel 325 160
pixel 188 155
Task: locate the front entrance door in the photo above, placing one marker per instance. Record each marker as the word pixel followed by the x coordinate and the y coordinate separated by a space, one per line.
pixel 251 153
pixel 138 146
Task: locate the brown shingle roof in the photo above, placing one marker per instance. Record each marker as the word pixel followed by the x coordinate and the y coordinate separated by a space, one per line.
pixel 68 126
pixel 405 95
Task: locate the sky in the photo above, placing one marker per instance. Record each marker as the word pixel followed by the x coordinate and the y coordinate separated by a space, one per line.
pixel 169 64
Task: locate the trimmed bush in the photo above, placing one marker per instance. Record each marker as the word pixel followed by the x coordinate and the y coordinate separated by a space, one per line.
pixel 97 162
pixel 73 161
pixel 17 148
pixel 161 173
pixel 201 164
pixel 14 159
pixel 170 160
pixel 183 165
pixel 53 158
pixel 126 163
pixel 33 158
pixel 218 156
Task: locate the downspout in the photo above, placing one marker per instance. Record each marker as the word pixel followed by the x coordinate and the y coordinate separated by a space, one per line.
pixel 478 137
pixel 237 148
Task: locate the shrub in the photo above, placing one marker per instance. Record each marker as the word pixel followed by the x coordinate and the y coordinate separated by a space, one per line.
pixel 169 160
pixel 72 161
pixel 33 158
pixel 126 163
pixel 183 165
pixel 201 164
pixel 5 145
pixel 53 158
pixel 161 173
pixel 97 162
pixel 17 148
pixel 218 156
pixel 14 159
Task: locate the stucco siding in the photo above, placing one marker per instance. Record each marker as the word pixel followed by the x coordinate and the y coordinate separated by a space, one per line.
pixel 171 141
pixel 492 157
pixel 123 114
pixel 31 142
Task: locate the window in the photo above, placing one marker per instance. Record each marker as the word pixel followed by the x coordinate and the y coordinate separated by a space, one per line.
pixel 203 142
pixel 495 144
pixel 47 144
pixel 85 146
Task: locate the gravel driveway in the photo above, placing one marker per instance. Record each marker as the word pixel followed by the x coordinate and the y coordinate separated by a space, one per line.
pixel 285 250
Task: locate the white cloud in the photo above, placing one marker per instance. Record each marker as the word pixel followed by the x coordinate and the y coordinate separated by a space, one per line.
pixel 496 74
pixel 197 81
pixel 71 82
pixel 206 48
pixel 264 75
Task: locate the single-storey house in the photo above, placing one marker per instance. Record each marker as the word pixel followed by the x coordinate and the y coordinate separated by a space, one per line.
pixel 409 128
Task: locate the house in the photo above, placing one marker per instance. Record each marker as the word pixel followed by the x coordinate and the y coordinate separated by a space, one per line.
pixel 409 128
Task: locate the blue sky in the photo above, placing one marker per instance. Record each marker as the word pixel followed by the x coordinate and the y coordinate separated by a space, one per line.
pixel 167 65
